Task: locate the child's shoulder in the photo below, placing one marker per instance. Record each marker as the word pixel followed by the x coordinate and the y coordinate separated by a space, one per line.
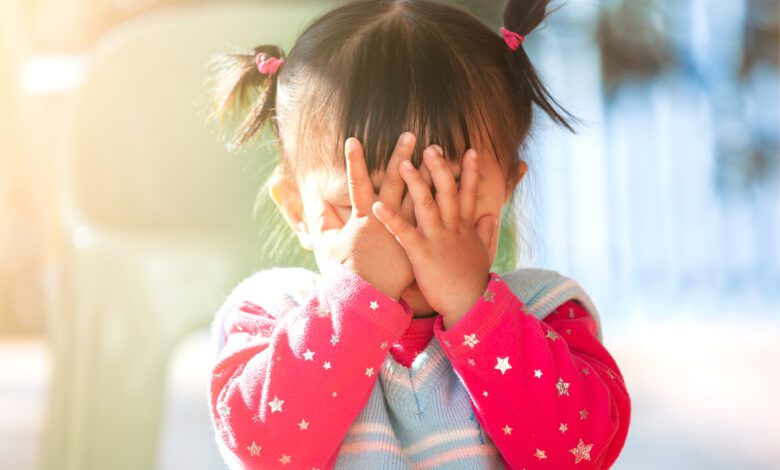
pixel 270 286
pixel 543 290
pixel 274 290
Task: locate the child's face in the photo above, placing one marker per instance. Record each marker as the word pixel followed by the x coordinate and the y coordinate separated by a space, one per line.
pixel 318 188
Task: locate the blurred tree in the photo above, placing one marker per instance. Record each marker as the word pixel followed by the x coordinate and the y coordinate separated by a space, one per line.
pixel 749 156
pixel 762 35
pixel 634 41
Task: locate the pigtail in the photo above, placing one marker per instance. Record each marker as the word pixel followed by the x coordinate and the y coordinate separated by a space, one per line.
pixel 241 89
pixel 522 17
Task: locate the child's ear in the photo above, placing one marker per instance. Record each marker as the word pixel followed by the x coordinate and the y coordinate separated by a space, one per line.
pixel 522 169
pixel 287 198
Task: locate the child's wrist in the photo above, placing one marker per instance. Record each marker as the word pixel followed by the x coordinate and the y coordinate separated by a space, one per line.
pixel 366 277
pixel 378 286
pixel 463 304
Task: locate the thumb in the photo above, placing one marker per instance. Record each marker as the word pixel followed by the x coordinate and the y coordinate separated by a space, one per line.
pixel 486 227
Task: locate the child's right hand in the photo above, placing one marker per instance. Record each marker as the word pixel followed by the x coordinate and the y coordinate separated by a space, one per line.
pixel 364 244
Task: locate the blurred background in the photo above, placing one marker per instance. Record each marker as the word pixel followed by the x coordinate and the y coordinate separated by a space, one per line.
pixel 124 223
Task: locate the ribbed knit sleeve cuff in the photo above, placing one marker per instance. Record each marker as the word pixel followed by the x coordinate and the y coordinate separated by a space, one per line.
pixel 484 316
pixel 344 290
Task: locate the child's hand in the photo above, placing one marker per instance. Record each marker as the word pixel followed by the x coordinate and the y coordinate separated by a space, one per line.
pixel 363 244
pixel 448 253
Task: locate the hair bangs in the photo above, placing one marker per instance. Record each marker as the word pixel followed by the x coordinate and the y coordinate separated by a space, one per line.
pixel 416 84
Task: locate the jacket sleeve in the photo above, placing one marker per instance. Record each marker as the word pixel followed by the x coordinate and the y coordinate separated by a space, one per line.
pixel 289 382
pixel 547 392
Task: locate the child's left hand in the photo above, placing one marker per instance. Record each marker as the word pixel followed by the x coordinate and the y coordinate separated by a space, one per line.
pixel 448 253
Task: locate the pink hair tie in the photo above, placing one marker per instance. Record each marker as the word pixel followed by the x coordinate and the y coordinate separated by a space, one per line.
pixel 513 40
pixel 268 65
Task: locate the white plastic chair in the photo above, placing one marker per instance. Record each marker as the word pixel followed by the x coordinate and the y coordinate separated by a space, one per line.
pixel 156 220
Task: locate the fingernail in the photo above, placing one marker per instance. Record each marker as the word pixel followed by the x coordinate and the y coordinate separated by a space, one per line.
pixel 407 164
pixel 406 138
pixel 439 150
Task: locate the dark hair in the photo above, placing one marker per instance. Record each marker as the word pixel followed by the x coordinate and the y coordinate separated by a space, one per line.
pixel 372 69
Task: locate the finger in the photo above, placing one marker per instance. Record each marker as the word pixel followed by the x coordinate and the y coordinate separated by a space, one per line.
pixel 404 232
pixel 469 185
pixel 486 227
pixel 426 175
pixel 361 190
pixel 392 189
pixel 407 206
pixel 446 189
pixel 425 209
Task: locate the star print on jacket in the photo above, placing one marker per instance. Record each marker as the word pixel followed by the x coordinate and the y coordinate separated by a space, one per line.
pixel 520 347
pixel 286 370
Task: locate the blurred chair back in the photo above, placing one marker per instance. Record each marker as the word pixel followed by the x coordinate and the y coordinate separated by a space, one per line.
pixel 142 156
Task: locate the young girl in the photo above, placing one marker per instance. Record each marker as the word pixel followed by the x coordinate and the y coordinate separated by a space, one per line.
pixel 406 351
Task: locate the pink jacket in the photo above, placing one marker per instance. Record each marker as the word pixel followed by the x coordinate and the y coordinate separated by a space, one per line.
pixel 291 379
